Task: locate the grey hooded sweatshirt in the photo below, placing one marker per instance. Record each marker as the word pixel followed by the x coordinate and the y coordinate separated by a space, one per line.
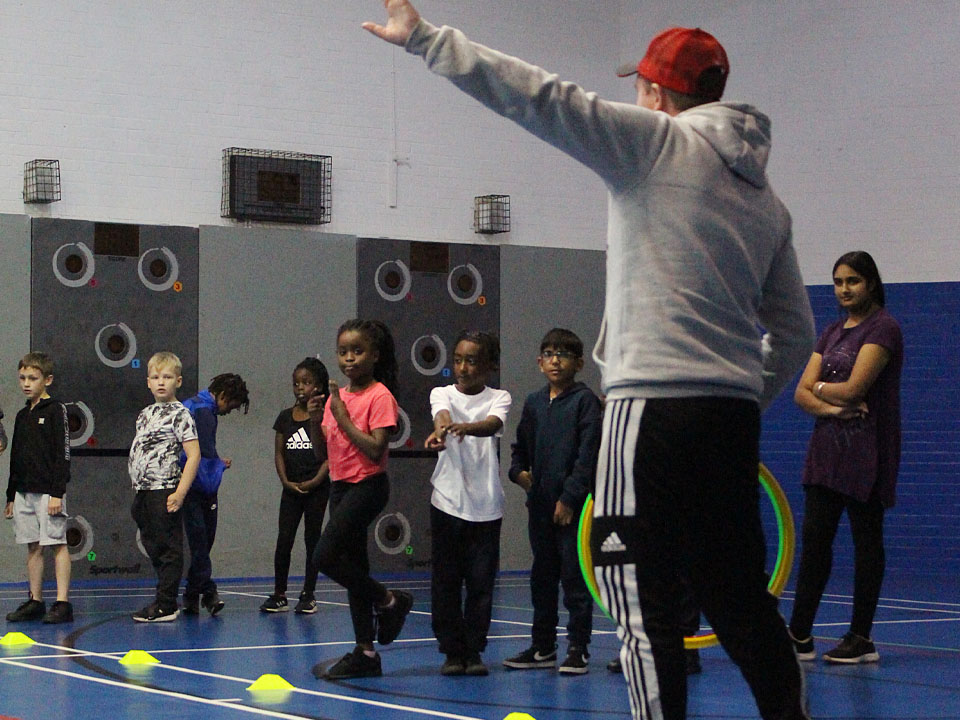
pixel 699 249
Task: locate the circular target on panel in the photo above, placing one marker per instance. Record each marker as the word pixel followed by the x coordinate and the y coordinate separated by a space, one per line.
pixel 402 433
pixel 158 269
pixel 116 345
pixel 465 284
pixel 392 533
pixel 392 280
pixel 79 537
pixel 428 354
pixel 79 423
pixel 73 264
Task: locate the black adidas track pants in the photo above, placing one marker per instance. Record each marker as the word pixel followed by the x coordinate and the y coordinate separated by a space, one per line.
pixel 677 491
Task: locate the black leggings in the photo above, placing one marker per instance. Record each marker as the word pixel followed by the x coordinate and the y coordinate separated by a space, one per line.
pixel 294 506
pixel 822 509
pixel 341 553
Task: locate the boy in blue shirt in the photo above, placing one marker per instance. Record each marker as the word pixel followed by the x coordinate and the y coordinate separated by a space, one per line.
pixel 555 460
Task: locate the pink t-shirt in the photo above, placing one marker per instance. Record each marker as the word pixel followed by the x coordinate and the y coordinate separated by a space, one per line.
pixel 371 408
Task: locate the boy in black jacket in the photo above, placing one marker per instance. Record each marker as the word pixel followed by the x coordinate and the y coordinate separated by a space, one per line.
pixel 555 460
pixel 39 472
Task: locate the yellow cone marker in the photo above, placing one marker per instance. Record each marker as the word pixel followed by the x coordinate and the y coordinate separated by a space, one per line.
pixel 15 638
pixel 270 682
pixel 519 716
pixel 138 657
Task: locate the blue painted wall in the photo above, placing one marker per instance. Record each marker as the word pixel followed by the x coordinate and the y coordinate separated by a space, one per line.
pixel 923 529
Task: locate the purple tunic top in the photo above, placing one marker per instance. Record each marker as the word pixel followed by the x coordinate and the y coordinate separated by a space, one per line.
pixel 859 456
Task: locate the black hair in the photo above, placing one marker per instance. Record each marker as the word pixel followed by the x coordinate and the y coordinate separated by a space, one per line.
pixel 321 378
pixel 563 339
pixel 863 264
pixel 233 389
pixel 487 342
pixel 386 368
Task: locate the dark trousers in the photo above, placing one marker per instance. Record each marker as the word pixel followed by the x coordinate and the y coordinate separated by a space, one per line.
pixel 678 497
pixel 161 533
pixel 556 563
pixel 294 506
pixel 464 554
pixel 341 552
pixel 200 526
pixel 822 509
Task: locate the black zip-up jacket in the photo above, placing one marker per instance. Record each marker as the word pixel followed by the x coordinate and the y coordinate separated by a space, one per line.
pixel 40 450
pixel 558 441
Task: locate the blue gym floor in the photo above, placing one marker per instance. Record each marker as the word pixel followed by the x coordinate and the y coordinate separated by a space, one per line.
pixel 206 664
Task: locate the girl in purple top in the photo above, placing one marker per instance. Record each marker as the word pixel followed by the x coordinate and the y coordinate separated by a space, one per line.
pixel 851 385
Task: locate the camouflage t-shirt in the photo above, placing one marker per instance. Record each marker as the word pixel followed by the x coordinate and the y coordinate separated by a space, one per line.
pixel 162 428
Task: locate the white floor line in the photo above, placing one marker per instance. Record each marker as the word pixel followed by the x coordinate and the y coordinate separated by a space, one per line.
pixel 228 678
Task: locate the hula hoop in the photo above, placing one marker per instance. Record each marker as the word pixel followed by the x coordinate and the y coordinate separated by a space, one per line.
pixel 786 545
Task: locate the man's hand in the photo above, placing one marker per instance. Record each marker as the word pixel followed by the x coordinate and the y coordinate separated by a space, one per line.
pixel 525 480
pixel 562 515
pixel 402 18
pixel 174 502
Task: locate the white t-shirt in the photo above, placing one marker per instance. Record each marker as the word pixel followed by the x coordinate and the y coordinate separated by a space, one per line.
pixel 466 481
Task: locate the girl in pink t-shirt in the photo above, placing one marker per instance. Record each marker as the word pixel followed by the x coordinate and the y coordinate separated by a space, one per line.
pixel 356 424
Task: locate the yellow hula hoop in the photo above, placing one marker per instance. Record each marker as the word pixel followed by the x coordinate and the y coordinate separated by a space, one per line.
pixel 786 545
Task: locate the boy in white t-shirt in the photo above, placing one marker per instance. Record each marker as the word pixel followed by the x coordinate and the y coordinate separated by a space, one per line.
pixel 467 503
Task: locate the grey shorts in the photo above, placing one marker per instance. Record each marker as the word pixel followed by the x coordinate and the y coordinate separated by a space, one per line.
pixel 33 524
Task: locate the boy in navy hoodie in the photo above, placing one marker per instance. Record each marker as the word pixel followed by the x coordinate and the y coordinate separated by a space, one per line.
pixel 555 460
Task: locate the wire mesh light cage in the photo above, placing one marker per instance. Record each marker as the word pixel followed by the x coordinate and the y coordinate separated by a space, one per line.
pixel 41 181
pixel 276 185
pixel 491 214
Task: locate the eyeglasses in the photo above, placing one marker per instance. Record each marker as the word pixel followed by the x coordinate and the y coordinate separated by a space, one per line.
pixel 559 354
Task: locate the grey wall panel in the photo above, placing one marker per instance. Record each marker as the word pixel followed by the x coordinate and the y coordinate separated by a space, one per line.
pixel 541 288
pixel 14 343
pixel 268 298
pixel 101 314
pixel 400 539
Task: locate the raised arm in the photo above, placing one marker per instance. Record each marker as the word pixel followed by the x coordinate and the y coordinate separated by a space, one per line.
pixel 618 141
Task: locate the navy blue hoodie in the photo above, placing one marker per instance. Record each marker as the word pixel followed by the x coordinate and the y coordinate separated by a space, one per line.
pixel 558 441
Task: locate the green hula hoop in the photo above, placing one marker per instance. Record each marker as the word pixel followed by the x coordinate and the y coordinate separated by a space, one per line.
pixel 786 546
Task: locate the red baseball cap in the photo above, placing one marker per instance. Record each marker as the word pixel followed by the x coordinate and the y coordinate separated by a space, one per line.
pixel 677 59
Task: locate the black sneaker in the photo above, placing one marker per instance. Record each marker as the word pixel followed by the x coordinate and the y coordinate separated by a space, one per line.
pixel 354 664
pixel 575 663
pixel 30 610
pixel 212 602
pixel 853 649
pixel 804 648
pixel 614 666
pixel 390 619
pixel 532 658
pixel 691 660
pixel 453 665
pixel 306 605
pixel 191 605
pixel 473 665
pixel 60 612
pixel 153 613
pixel 275 604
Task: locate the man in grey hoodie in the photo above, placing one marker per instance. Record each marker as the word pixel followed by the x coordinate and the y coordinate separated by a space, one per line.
pixel 699 257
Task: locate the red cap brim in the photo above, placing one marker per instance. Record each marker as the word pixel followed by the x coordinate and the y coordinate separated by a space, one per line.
pixel 627 69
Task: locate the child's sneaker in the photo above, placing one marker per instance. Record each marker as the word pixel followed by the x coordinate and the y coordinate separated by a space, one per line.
pixel 274 604
pixel 306 605
pixel 212 602
pixel 575 663
pixel 60 612
pixel 30 610
pixel 453 665
pixel 153 613
pixel 354 664
pixel 390 619
pixel 853 649
pixel 532 658
pixel 473 665
pixel 804 648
